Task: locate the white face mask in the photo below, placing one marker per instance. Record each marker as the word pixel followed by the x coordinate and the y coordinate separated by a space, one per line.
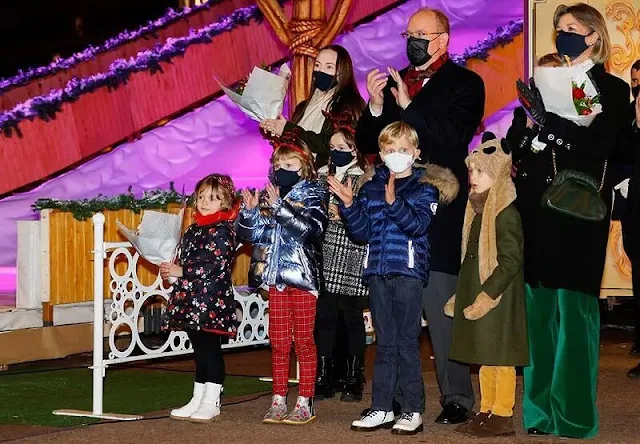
pixel 398 162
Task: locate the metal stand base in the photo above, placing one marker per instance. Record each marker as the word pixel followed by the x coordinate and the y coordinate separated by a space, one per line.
pixel 88 414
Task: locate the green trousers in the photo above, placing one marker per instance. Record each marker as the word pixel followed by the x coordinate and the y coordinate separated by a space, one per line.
pixel 560 382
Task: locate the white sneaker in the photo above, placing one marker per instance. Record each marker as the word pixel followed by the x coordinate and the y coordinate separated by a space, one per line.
pixel 183 413
pixel 408 424
pixel 373 420
pixel 210 404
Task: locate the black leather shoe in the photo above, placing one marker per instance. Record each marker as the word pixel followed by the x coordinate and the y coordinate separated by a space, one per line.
pixel 536 432
pixel 634 373
pixel 453 414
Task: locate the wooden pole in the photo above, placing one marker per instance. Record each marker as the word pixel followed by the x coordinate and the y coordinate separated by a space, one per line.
pixel 306 33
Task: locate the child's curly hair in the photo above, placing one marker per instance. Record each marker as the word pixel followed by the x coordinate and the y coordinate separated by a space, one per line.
pixel 222 187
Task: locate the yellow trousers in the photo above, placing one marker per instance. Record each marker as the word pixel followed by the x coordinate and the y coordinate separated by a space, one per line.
pixel 497 390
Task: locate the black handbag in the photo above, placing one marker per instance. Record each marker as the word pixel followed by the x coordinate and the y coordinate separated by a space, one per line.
pixel 576 194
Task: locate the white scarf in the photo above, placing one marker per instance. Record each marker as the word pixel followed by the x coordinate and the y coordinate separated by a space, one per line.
pixel 313 119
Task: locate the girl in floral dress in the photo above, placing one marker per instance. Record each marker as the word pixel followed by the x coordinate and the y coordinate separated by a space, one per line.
pixel 202 302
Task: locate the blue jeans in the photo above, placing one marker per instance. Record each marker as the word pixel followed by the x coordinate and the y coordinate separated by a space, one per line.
pixel 396 308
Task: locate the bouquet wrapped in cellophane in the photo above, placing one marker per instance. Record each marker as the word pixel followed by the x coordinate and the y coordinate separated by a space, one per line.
pixel 568 92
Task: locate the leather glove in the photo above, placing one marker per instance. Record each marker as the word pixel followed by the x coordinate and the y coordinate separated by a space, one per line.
pixel 481 306
pixel 449 307
pixel 531 100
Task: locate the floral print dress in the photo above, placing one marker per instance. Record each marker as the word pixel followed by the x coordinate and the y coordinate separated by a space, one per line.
pixel 202 299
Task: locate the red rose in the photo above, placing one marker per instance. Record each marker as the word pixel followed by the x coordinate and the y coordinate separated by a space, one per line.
pixel 586 112
pixel 578 94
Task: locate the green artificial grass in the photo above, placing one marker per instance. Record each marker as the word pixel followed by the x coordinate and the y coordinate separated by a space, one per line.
pixel 31 398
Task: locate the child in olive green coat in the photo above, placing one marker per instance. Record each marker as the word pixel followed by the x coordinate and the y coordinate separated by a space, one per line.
pixel 489 312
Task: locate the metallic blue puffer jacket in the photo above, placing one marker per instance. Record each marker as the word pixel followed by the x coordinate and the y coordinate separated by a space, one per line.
pixel 287 243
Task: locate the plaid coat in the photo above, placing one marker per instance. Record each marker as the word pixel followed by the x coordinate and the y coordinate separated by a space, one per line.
pixel 342 258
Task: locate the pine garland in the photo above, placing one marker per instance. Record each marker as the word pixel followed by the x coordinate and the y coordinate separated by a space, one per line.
pixel 86 208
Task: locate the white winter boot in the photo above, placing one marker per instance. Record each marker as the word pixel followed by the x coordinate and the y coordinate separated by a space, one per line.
pixel 210 404
pixel 183 413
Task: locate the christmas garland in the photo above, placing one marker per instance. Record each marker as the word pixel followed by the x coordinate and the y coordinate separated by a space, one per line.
pixel 46 106
pixel 500 37
pixel 151 28
pixel 84 209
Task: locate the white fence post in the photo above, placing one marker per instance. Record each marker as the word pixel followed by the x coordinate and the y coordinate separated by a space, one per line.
pixel 99 367
pixel 98 311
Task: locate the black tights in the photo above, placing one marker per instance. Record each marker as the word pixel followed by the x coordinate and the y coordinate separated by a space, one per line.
pixel 207 348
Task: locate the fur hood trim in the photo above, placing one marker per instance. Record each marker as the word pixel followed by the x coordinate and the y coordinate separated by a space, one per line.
pixel 443 179
pixel 440 177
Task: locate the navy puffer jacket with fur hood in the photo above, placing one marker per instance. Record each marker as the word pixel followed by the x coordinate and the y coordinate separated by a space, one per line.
pixel 397 234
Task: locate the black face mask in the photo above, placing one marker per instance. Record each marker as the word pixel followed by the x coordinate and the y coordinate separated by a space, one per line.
pixel 418 51
pixel 285 178
pixel 571 44
pixel 341 158
pixel 324 81
pixel 635 90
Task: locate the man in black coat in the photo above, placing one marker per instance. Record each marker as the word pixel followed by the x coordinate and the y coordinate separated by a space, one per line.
pixel 629 144
pixel 445 104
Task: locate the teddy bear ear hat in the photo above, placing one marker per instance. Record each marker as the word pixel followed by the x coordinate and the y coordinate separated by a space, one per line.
pixel 493 156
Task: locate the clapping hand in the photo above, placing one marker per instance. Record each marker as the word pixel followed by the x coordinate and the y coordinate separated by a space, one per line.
pixel 376 82
pixel 531 100
pixel 250 199
pixel 344 192
pixel 390 189
pixel 275 127
pixel 273 193
pixel 401 92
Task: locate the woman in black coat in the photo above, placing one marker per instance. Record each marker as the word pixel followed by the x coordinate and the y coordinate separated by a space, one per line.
pixel 564 255
pixel 334 91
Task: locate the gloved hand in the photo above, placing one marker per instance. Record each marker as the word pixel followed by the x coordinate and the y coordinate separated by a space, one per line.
pixel 449 307
pixel 531 100
pixel 481 306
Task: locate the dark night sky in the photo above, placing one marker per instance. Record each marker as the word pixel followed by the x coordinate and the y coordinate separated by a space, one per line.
pixel 31 31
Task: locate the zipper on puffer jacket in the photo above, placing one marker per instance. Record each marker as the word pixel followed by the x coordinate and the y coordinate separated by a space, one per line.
pixel 366 257
pixel 411 261
pixel 273 260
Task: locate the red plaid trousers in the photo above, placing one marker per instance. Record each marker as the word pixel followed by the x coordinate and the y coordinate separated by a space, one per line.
pixel 292 317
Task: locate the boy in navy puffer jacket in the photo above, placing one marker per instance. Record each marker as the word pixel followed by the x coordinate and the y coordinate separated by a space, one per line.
pixel 392 214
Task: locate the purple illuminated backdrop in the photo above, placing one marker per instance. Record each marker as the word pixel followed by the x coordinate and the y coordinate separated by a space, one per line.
pixel 219 138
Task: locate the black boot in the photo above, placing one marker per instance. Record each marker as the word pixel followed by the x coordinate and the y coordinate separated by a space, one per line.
pixel 324 383
pixel 355 381
pixel 339 375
